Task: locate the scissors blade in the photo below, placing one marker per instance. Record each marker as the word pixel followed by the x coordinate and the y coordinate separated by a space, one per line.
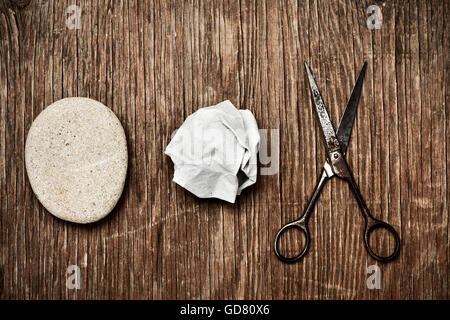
pixel 345 126
pixel 329 135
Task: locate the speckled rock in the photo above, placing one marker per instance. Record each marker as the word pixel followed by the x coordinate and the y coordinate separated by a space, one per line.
pixel 76 159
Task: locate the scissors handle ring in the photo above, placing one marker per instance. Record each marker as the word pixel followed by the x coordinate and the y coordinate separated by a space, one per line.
pixel 300 225
pixel 371 226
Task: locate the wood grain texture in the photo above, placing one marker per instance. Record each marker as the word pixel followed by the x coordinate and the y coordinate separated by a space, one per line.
pixel 154 63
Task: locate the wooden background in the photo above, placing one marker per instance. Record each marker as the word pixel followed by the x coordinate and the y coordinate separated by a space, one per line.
pixel 156 62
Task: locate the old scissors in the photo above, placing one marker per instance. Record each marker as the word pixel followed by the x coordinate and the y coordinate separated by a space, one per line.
pixel 336 165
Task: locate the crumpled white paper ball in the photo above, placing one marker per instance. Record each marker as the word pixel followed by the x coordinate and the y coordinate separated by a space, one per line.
pixel 215 152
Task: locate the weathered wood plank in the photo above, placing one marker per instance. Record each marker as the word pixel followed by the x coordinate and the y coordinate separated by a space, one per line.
pixel 154 63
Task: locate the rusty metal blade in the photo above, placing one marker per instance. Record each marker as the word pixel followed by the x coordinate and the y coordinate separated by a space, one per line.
pixel 329 135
